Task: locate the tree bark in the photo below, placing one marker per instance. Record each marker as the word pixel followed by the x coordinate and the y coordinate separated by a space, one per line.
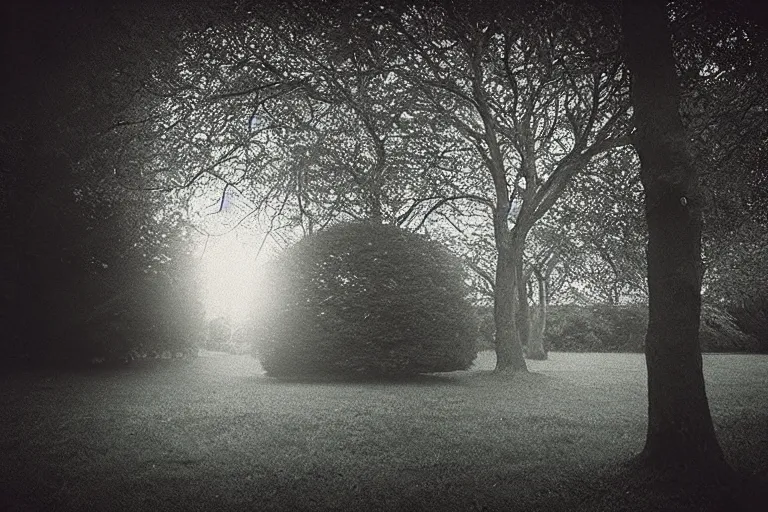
pixel 523 309
pixel 535 349
pixel 509 352
pixel 680 432
pixel 374 196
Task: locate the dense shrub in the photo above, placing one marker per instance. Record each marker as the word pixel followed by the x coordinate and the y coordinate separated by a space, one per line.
pixel 752 318
pixel 596 328
pixel 366 299
pixel 604 328
pixel 720 333
pixel 157 315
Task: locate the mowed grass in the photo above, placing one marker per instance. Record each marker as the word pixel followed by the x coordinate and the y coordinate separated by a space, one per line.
pixel 216 434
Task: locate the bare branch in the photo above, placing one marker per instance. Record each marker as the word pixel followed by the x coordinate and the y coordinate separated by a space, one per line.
pixel 482 200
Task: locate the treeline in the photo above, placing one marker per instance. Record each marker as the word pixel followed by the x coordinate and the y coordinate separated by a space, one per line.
pixel 89 269
pixel 622 328
pixel 90 272
pixel 602 328
pixel 510 123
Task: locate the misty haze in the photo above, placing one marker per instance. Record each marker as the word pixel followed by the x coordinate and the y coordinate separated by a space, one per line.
pixel 384 255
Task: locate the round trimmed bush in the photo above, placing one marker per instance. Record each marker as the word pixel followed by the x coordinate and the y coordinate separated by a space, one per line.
pixel 365 299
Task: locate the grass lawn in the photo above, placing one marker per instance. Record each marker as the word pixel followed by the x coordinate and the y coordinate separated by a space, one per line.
pixel 215 434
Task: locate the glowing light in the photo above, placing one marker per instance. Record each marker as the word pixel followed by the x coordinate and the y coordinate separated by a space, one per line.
pixel 230 279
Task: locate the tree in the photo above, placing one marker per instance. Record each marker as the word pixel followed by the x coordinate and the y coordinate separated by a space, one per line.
pixel 305 119
pixel 391 112
pixel 395 112
pixel 602 224
pixel 721 53
pixel 680 429
pixel 72 231
pixel 534 98
pixel 541 269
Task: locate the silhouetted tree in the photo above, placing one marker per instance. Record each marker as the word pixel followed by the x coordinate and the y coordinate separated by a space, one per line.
pixel 680 429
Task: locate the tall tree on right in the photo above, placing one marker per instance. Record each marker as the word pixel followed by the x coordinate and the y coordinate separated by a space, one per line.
pixel 680 433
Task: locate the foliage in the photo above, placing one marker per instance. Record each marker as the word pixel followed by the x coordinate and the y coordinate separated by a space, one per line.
pixel 606 328
pixel 159 315
pixel 310 113
pixel 90 269
pixel 599 226
pixel 719 332
pixel 241 341
pixel 721 53
pixel 136 303
pixel 223 337
pixel 366 299
pixel 596 329
pixel 93 270
pixel 751 316
pixel 383 111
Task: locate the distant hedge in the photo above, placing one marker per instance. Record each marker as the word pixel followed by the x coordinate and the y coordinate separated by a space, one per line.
pixel 603 328
pixel 751 317
pixel 364 299
pixel 595 328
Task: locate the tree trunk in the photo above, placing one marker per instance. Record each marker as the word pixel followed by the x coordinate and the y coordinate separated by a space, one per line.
pixel 521 289
pixel 374 191
pixel 509 352
pixel 374 204
pixel 680 431
pixel 535 349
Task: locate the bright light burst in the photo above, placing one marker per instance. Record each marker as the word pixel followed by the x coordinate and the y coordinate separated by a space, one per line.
pixel 230 278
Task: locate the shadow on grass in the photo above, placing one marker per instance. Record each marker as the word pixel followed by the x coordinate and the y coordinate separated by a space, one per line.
pixel 631 486
pixel 430 379
pixel 531 380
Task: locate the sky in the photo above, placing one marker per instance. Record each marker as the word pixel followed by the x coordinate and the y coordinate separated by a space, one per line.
pixel 230 263
pixel 229 277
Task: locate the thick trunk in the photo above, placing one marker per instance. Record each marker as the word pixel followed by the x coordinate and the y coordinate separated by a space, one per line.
pixel 680 431
pixel 535 348
pixel 509 352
